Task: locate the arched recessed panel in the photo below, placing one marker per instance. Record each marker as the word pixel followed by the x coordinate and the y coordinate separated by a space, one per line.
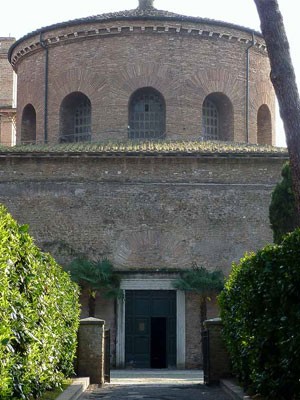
pixel 75 118
pixel 28 125
pixel 264 125
pixel 147 115
pixel 217 118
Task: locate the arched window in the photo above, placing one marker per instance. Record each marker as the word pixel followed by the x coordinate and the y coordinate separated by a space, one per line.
pixel 264 125
pixel 217 117
pixel 28 125
pixel 147 115
pixel 210 120
pixel 75 118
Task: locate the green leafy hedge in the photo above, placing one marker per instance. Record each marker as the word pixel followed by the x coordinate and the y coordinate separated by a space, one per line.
pixel 260 308
pixel 39 314
pixel 282 210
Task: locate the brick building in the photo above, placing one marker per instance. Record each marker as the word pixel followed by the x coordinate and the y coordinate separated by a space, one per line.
pixel 194 86
pixel 7 95
pixel 94 78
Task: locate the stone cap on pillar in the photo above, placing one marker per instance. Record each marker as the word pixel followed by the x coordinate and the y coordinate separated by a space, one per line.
pixel 213 321
pixel 91 321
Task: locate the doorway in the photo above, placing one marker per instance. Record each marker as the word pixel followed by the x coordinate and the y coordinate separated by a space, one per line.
pixel 158 350
pixel 150 328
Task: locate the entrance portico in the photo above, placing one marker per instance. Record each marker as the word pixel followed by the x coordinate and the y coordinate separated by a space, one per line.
pixel 158 294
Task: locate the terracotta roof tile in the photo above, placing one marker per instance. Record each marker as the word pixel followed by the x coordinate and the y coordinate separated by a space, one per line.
pixel 150 13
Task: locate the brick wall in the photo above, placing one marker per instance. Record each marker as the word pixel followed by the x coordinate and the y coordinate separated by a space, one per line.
pixel 118 57
pixel 7 100
pixel 149 213
pixel 105 310
pixel 193 329
pixel 144 212
pixel 90 350
pixel 6 73
pixel 218 361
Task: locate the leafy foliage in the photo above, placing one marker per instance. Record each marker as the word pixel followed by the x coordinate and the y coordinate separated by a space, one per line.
pixel 260 310
pixel 204 282
pixel 95 276
pixel 200 280
pixel 39 313
pixel 282 211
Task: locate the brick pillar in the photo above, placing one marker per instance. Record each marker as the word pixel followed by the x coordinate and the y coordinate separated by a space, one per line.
pixel 90 352
pixel 218 358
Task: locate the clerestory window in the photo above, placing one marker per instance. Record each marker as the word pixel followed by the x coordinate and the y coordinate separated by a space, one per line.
pixel 28 126
pixel 210 121
pixel 75 118
pixel 264 125
pixel 147 115
pixel 217 117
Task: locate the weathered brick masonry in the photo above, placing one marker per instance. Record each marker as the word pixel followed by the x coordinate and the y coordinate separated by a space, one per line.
pixel 151 214
pixel 185 207
pixel 7 100
pixel 108 57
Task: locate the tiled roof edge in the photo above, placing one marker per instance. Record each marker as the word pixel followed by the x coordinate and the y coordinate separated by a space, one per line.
pixel 135 14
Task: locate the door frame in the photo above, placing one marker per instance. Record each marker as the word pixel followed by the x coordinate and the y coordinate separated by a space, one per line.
pixel 150 283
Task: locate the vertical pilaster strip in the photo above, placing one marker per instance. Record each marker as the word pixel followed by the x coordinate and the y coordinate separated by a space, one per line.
pixel 180 329
pixel 120 345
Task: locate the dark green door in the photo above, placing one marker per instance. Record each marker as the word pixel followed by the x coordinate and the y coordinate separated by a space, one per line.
pixel 150 328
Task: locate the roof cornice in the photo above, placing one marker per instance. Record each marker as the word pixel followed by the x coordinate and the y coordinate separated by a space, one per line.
pixel 138 14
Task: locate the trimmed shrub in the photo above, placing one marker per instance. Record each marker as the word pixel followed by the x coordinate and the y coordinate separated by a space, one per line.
pixel 260 308
pixel 39 314
pixel 282 211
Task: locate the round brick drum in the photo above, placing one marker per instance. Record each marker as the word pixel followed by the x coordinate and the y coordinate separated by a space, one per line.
pixel 143 74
